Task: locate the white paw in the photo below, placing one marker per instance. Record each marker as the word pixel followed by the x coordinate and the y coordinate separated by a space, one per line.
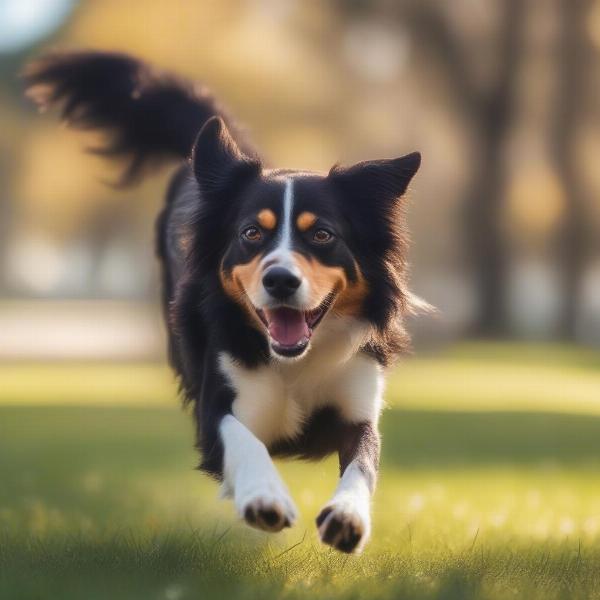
pixel 344 525
pixel 267 506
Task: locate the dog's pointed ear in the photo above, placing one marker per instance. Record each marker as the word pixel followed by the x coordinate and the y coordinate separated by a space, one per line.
pixel 377 181
pixel 217 160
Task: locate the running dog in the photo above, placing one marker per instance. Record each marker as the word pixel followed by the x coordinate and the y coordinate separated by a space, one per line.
pixel 285 291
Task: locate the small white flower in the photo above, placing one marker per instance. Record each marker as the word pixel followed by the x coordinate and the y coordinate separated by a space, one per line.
pixel 174 592
pixel 566 526
pixel 416 503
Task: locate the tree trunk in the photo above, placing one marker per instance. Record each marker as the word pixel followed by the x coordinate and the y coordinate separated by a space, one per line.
pixel 572 57
pixel 484 235
pixel 485 242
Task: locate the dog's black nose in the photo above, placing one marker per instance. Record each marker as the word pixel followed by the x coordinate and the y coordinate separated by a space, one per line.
pixel 280 282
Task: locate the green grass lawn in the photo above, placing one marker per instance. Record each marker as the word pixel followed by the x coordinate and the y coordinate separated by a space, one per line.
pixel 490 488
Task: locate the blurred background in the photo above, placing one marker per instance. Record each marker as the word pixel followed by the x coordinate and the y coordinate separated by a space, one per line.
pixel 501 97
pixel 490 484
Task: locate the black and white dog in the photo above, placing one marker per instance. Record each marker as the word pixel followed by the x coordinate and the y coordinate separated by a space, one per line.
pixel 284 291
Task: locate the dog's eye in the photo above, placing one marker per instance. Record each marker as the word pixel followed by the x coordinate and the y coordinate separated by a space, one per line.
pixel 252 234
pixel 322 236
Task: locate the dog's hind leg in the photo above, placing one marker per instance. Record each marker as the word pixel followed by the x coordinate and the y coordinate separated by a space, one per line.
pixel 345 522
pixel 250 477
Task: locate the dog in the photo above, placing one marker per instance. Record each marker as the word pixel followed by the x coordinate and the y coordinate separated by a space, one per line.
pixel 285 292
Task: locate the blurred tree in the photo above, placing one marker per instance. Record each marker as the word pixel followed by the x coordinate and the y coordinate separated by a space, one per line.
pixel 574 55
pixel 487 107
pixel 21 33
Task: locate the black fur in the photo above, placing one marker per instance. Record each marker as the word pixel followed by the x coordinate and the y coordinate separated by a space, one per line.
pixel 151 116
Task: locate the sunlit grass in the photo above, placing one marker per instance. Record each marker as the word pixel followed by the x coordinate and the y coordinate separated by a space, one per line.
pixel 480 377
pixel 87 384
pixel 102 501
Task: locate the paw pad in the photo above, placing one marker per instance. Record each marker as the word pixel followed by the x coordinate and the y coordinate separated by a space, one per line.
pixel 268 515
pixel 342 529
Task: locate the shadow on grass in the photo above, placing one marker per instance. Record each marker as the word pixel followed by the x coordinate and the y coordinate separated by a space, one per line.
pixel 186 565
pixel 169 567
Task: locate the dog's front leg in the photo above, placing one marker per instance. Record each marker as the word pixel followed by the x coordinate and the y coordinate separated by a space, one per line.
pixel 345 522
pixel 250 477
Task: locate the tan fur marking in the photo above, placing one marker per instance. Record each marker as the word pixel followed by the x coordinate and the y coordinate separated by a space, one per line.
pixel 244 279
pixel 323 280
pixel 306 220
pixel 350 301
pixel 267 219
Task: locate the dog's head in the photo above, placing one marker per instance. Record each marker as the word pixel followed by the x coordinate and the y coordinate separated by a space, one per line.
pixel 295 247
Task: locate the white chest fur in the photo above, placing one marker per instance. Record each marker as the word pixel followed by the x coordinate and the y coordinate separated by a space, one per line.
pixel 275 400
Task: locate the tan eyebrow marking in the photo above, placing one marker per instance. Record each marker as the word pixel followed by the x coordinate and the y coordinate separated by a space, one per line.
pixel 306 220
pixel 267 219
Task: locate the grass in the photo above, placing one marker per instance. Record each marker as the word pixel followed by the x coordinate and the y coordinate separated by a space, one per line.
pixel 490 489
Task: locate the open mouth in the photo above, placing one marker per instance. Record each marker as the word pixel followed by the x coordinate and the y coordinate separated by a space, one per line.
pixel 290 329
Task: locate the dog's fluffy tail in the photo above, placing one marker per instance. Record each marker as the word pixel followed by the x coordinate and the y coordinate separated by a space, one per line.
pixel 148 116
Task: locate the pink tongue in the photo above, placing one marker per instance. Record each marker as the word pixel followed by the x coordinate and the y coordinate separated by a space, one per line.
pixel 287 326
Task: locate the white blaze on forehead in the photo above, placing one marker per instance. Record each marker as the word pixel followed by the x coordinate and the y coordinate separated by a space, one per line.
pixel 288 202
pixel 282 255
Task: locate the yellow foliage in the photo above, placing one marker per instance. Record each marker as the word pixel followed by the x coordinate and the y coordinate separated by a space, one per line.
pixel 233 45
pixel 61 188
pixel 57 182
pixel 303 147
pixel 593 24
pixel 536 202
pixel 587 152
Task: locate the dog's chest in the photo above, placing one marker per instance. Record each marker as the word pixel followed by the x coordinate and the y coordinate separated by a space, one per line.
pixel 275 401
